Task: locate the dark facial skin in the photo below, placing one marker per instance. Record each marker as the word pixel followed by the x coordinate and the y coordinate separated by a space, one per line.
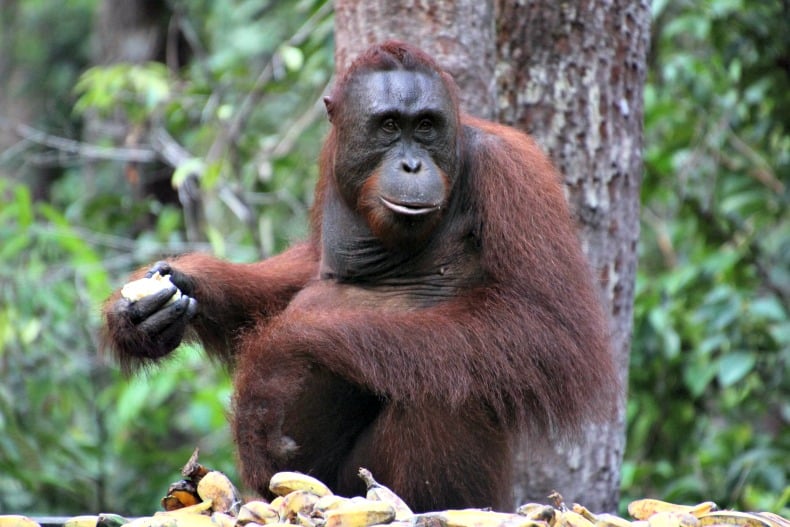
pixel 398 162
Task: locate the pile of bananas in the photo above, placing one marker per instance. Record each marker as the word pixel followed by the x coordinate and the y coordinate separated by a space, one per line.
pixel 207 498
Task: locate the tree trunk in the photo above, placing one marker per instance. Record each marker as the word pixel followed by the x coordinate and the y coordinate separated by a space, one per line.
pixel 458 34
pixel 571 74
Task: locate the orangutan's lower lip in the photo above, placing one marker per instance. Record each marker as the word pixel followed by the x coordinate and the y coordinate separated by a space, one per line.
pixel 409 209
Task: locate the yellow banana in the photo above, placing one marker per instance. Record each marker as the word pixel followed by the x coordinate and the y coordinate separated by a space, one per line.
pixel 377 491
pixel 664 519
pixel 610 520
pixel 216 486
pixel 297 502
pixel 643 509
pixel 703 508
pixel 134 291
pixel 529 508
pixel 106 519
pixel 329 502
pixel 82 521
pixel 584 512
pixel 569 518
pixel 17 520
pixel 687 519
pixel 730 518
pixel 359 512
pixel 283 483
pixel 303 520
pixel 474 518
pixel 538 512
pixel 204 507
pixel 168 519
pixel 220 519
pixel 258 512
pixel 774 519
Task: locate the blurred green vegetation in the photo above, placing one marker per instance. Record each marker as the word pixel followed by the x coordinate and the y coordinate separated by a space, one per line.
pixel 709 401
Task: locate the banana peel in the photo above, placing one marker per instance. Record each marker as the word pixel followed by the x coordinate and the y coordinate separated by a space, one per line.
pixel 283 483
pixel 734 519
pixel 17 520
pixel 474 518
pixel 217 488
pixel 359 512
pixel 259 512
pixel 645 508
pixel 377 491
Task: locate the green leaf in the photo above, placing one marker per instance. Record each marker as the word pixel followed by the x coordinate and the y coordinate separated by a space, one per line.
pixel 735 366
pixel 191 166
pixel 697 376
pixel 767 308
pixel 293 58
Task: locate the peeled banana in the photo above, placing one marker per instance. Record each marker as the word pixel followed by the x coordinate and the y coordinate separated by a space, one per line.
pixel 137 289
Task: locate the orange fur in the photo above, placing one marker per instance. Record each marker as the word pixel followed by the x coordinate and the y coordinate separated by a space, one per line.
pixel 425 376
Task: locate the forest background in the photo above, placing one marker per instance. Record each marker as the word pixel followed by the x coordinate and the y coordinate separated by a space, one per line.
pixel 83 201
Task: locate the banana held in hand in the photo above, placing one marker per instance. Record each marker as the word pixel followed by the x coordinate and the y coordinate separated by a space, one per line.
pixel 134 291
pixel 283 483
pixel 377 491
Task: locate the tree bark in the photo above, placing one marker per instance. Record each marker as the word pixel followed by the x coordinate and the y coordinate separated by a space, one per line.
pixel 571 74
pixel 458 34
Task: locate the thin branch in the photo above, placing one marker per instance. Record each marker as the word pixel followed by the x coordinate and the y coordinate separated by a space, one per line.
pixel 85 150
pixel 299 125
pixel 167 148
pixel 229 135
pixel 175 155
pixel 762 171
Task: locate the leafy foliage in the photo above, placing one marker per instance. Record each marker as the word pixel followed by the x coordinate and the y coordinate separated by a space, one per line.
pixel 74 435
pixel 709 405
